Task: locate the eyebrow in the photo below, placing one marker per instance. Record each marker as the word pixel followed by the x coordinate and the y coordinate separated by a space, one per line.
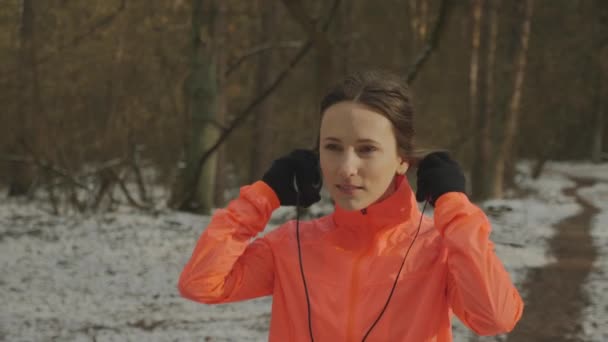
pixel 364 140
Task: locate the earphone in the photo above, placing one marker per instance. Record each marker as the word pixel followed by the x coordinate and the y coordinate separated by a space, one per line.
pixel 310 330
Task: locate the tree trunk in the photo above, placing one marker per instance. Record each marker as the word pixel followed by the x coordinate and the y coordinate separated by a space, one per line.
pixel 474 65
pixel 424 20
pixel 481 170
pixel 324 69
pixel 264 133
pixel 477 169
pixel 490 109
pixel 600 67
pixel 414 19
pixel 221 61
pixel 202 92
pixel 506 152
pixel 322 45
pixel 599 122
pixel 22 174
pixel 346 25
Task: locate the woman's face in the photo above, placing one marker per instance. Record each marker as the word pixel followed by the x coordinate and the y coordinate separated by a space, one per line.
pixel 359 155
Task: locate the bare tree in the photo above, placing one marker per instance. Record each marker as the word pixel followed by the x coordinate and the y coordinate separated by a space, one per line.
pixel 264 130
pixel 486 145
pixel 245 113
pixel 345 25
pixel 484 112
pixel 419 22
pixel 505 153
pixel 599 122
pixel 600 64
pixel 21 174
pixel 414 18
pixel 202 92
pixel 220 47
pixel 431 43
pixel 424 20
pixel 474 98
pixel 320 39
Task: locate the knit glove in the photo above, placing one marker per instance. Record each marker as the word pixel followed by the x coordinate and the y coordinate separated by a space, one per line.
pixel 299 167
pixel 438 174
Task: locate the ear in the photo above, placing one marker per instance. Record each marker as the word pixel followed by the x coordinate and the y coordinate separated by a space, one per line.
pixel 403 167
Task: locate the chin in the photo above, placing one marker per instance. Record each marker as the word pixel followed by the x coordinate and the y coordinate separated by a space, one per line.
pixel 351 205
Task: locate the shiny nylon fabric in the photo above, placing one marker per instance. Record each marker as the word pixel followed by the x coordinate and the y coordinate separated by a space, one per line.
pixel 351 259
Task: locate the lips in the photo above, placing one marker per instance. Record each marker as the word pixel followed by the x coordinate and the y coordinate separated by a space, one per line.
pixel 348 189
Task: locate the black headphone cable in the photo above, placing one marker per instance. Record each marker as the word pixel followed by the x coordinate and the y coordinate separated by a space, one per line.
pixel 304 278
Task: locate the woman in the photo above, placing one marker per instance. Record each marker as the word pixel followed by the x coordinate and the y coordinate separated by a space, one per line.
pixel 375 269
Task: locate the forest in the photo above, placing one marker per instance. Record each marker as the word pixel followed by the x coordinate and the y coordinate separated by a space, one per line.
pixel 112 98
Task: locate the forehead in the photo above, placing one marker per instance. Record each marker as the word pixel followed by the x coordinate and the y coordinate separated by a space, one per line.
pixel 354 121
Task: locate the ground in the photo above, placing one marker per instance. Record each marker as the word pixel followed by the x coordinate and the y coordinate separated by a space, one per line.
pixel 112 277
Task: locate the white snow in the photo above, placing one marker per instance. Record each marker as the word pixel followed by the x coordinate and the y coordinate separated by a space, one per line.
pixel 595 323
pixel 112 277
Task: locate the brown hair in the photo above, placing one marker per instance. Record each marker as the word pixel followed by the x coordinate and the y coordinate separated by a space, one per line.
pixel 385 93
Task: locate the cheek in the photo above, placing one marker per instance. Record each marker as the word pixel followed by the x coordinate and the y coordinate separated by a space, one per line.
pixel 326 167
pixel 381 171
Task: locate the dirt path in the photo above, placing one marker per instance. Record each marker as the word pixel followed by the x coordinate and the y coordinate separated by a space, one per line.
pixel 554 294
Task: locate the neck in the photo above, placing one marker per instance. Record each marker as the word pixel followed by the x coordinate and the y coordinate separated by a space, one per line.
pixel 392 188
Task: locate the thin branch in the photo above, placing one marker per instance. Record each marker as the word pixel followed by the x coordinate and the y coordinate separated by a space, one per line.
pixel 431 44
pixel 45 165
pixel 105 184
pixel 297 11
pixel 259 49
pixel 216 124
pixel 139 178
pixel 53 199
pixel 16 159
pixel 281 45
pixel 253 105
pixel 76 40
pixel 125 191
pixel 103 22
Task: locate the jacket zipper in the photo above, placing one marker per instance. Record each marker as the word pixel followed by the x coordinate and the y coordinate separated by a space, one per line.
pixel 354 290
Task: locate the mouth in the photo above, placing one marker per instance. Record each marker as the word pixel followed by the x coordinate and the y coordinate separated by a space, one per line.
pixel 348 189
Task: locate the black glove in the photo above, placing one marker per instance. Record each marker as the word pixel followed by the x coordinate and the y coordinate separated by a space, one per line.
pixel 303 165
pixel 438 174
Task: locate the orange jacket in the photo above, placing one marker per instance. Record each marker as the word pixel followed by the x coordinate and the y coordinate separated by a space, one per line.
pixel 351 259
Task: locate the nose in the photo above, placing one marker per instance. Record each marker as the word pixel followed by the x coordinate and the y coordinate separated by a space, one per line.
pixel 349 165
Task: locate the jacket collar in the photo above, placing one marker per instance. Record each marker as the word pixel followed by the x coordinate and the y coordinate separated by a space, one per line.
pixel 398 208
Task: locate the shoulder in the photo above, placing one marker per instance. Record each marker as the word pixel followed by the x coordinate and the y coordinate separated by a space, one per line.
pixel 427 227
pixel 428 236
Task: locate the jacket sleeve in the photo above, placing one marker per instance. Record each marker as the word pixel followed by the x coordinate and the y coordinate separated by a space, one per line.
pixel 226 266
pixel 479 290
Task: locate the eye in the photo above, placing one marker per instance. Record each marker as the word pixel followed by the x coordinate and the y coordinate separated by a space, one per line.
pixel 332 147
pixel 367 149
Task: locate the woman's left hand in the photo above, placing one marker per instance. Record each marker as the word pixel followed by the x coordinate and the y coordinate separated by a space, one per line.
pixel 438 174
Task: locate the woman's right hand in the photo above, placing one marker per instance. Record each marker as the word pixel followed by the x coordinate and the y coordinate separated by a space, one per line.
pixel 301 166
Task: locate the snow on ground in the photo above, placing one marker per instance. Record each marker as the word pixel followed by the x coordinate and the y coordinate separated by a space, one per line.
pixel 112 277
pixel 521 228
pixel 595 326
pixel 595 322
